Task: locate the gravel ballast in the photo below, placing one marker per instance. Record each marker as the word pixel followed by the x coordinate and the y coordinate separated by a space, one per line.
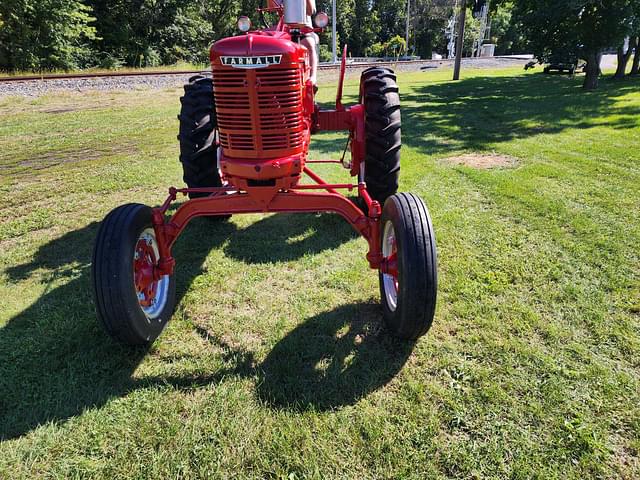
pixel 36 88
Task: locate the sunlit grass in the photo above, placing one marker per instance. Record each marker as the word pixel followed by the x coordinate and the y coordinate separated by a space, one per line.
pixel 275 363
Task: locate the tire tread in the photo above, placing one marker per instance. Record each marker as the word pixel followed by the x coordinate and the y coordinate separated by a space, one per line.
pixel 113 308
pixel 379 93
pixel 197 134
pixel 418 291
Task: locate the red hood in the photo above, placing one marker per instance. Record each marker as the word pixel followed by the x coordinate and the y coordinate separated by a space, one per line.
pixel 257 44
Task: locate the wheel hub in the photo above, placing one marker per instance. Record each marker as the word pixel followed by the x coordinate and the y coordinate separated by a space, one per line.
pixel 389 266
pixel 145 261
pixel 151 288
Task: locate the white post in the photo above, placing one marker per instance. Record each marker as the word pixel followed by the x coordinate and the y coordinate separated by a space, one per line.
pixel 335 34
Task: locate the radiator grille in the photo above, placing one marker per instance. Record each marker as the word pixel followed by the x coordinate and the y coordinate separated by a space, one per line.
pixel 259 111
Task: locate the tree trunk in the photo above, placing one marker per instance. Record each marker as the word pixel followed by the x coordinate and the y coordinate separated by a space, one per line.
pixel 623 60
pixel 593 70
pixel 635 69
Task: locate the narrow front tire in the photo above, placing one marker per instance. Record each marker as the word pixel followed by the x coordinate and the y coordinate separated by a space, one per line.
pixel 409 282
pixel 132 303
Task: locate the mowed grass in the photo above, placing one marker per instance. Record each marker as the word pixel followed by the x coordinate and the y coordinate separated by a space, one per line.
pixel 276 364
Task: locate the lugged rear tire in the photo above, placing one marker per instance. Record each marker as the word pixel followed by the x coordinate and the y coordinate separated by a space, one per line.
pixel 380 95
pixel 124 234
pixel 198 149
pixel 409 296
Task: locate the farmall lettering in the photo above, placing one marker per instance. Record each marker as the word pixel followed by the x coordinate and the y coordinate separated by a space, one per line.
pixel 252 62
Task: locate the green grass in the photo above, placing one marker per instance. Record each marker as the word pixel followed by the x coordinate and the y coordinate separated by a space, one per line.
pixel 275 364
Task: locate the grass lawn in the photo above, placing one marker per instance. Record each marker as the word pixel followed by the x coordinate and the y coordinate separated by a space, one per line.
pixel 275 364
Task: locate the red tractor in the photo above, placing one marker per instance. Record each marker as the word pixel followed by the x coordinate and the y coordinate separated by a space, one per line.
pixel 244 138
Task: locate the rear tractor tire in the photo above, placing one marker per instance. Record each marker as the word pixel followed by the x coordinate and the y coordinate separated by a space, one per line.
pixel 132 307
pixel 198 137
pixel 380 96
pixel 409 289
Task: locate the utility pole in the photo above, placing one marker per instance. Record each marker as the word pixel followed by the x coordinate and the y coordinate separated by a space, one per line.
pixel 460 42
pixel 408 17
pixel 335 33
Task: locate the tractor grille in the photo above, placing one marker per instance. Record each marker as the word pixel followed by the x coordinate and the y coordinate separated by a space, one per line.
pixel 259 111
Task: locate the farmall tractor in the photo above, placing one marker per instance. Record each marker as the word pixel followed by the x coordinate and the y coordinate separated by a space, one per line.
pixel 244 137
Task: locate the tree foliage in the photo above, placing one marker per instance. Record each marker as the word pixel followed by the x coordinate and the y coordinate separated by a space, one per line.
pixel 69 34
pixel 44 34
pixel 506 30
pixel 151 32
pixel 575 29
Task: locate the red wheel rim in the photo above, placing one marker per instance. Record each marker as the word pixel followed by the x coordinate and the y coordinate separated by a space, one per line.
pixel 151 289
pixel 389 267
pixel 143 268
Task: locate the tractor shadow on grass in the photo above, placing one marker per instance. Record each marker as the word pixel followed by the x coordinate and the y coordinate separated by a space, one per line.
pixel 57 362
pixel 331 360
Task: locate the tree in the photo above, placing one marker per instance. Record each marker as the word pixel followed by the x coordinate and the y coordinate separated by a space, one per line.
pixel 345 10
pixel 393 17
pixel 506 32
pixel 605 23
pixel 471 33
pixel 44 34
pixel 632 23
pixel 635 39
pixel 635 68
pixel 624 57
pixel 429 22
pixel 397 46
pixel 366 32
pixel 150 32
pixel 574 28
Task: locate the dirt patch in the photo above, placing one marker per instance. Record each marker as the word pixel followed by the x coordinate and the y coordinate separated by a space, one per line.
pixel 483 161
pixel 56 111
pixel 53 159
pixel 63 157
pixel 73 108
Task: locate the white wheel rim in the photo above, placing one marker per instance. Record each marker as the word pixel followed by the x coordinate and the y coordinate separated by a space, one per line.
pixel 153 311
pixel 389 282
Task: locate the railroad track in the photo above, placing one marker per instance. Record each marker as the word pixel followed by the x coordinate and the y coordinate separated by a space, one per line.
pixel 322 67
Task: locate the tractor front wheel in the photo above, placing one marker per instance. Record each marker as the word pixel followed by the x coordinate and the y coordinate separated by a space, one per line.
pixel 133 303
pixel 409 277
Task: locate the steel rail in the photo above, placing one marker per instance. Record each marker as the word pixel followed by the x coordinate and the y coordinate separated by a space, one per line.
pixel 325 67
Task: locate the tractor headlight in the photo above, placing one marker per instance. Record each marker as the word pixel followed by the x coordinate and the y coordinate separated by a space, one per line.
pixel 321 20
pixel 244 24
